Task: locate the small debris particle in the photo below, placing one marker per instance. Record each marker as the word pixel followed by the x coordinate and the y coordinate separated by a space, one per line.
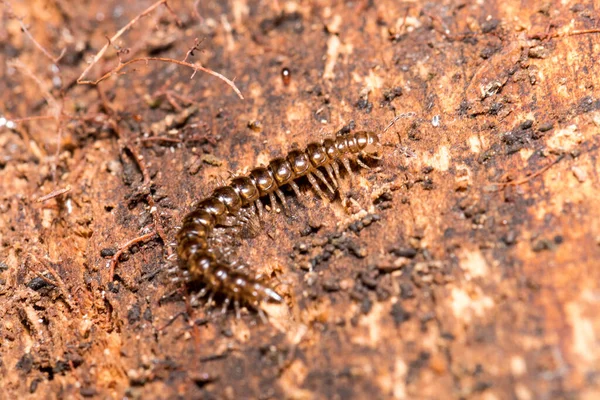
pixel 331 285
pixel 134 314
pixel 366 305
pixel 399 263
pixel 211 160
pixel 406 290
pixel 88 392
pixel 365 105
pixel 34 385
pixel 558 239
pixel 539 52
pixel 391 94
pixel 369 279
pixel 286 76
pixel 108 252
pixel 37 283
pixel 542 244
pixel 527 124
pixel 490 26
pixel 545 127
pixel 579 173
pixel 255 126
pixel 25 364
pixel 356 250
pixel 399 314
pixel 407 252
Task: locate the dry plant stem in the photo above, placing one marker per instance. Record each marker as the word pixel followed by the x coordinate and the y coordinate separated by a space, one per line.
pixel 532 176
pixel 99 55
pixel 54 194
pixel 51 100
pixel 56 109
pixel 577 32
pixel 115 259
pixel 55 60
pixel 195 67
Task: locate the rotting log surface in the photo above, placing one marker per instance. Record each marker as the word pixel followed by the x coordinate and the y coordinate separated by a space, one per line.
pixel 480 278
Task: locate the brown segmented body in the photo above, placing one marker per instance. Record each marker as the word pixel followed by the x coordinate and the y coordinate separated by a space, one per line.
pixel 202 262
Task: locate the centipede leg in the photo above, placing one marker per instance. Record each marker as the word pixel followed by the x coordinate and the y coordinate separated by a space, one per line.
pixel 225 305
pixel 336 169
pixel 273 201
pixel 281 197
pixel 209 302
pixel 362 164
pixel 330 173
pixel 262 315
pixel 296 189
pixel 346 164
pixel 259 208
pixel 236 305
pixel 197 296
pixel 315 185
pixel 320 175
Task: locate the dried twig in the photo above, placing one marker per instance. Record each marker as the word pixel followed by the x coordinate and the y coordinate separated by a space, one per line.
pixel 115 258
pixel 55 60
pixel 530 177
pixel 50 99
pixel 195 67
pixel 54 193
pixel 121 65
pixel 99 55
pixel 11 14
pixel 577 32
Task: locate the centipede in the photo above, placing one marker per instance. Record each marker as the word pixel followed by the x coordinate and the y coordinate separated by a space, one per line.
pixel 201 260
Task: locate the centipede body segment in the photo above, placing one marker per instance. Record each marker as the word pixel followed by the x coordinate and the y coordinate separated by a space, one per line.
pixel 202 261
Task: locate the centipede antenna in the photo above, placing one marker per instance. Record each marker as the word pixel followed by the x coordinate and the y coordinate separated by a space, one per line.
pixel 320 175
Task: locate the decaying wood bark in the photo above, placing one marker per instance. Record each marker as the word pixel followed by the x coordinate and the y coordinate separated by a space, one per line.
pixel 465 265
